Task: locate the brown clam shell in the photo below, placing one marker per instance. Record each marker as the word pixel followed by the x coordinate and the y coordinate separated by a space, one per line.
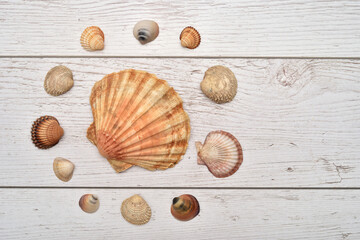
pixel 185 207
pixel 58 80
pixel 46 132
pixel 89 203
pixel 135 210
pixel 92 38
pixel 190 38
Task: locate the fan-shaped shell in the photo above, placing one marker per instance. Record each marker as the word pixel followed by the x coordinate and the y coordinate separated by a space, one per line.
pixel 219 84
pixel 146 31
pixel 46 132
pixel 190 38
pixel 58 80
pixel 92 39
pixel 221 153
pixel 138 120
pixel 63 169
pixel 135 210
pixel 185 207
pixel 89 203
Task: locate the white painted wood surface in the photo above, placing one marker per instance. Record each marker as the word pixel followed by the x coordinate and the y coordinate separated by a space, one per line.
pixel 259 28
pixel 224 214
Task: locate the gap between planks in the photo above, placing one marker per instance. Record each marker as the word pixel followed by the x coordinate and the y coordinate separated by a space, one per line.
pixel 180 57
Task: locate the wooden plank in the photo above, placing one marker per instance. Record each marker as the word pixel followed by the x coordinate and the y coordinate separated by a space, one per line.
pixel 290 28
pixel 224 214
pixel 297 121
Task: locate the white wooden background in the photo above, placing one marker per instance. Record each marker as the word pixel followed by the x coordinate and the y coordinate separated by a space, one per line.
pixel 296 114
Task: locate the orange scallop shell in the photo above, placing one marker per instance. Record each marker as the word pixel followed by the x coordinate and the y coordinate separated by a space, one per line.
pixel 46 132
pixel 190 38
pixel 92 38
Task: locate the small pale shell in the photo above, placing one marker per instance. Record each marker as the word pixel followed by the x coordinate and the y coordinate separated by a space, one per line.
pixel 190 38
pixel 219 84
pixel 221 153
pixel 135 210
pixel 146 31
pixel 63 169
pixel 185 207
pixel 92 39
pixel 58 80
pixel 46 132
pixel 89 203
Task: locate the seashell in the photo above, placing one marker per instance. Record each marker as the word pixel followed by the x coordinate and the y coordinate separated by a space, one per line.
pixel 58 80
pixel 190 38
pixel 185 207
pixel 221 153
pixel 63 169
pixel 92 38
pixel 46 132
pixel 89 203
pixel 146 31
pixel 219 84
pixel 138 120
pixel 135 210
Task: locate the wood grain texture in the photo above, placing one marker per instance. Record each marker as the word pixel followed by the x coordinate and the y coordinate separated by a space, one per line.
pixel 297 121
pixel 290 28
pixel 224 214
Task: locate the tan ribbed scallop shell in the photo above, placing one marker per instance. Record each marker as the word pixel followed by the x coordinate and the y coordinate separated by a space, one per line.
pixel 63 169
pixel 92 38
pixel 221 153
pixel 58 80
pixel 138 120
pixel 219 84
pixel 190 38
pixel 46 132
pixel 89 203
pixel 135 210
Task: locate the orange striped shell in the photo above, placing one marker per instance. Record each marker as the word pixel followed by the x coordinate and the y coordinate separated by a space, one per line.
pixel 92 39
pixel 190 38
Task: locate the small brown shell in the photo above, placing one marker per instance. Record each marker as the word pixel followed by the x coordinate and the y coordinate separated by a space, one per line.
pixel 190 38
pixel 146 31
pixel 46 132
pixel 63 169
pixel 221 153
pixel 92 39
pixel 219 84
pixel 135 210
pixel 89 203
pixel 185 207
pixel 58 80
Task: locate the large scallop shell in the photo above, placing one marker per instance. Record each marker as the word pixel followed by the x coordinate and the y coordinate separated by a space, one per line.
pixel 58 80
pixel 89 203
pixel 221 153
pixel 185 207
pixel 135 210
pixel 219 84
pixel 190 38
pixel 46 132
pixel 92 38
pixel 146 31
pixel 63 169
pixel 138 120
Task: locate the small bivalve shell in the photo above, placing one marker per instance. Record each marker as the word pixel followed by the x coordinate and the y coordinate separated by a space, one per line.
pixel 89 203
pixel 58 80
pixel 221 153
pixel 92 39
pixel 46 132
pixel 190 38
pixel 219 84
pixel 185 207
pixel 146 31
pixel 63 169
pixel 135 210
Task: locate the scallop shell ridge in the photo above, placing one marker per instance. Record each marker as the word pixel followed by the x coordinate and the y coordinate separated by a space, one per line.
pixel 58 80
pixel 135 210
pixel 46 132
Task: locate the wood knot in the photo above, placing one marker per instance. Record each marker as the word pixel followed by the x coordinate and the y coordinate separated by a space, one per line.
pixel 288 74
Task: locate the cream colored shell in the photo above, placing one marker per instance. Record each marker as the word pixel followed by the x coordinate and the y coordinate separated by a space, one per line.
pixel 58 80
pixel 63 169
pixel 92 39
pixel 219 84
pixel 89 203
pixel 146 31
pixel 135 210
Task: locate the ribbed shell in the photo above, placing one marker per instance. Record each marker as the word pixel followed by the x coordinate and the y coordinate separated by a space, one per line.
pixel 146 31
pixel 221 153
pixel 219 84
pixel 89 203
pixel 185 207
pixel 190 38
pixel 138 120
pixel 92 39
pixel 46 132
pixel 63 169
pixel 135 210
pixel 58 80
